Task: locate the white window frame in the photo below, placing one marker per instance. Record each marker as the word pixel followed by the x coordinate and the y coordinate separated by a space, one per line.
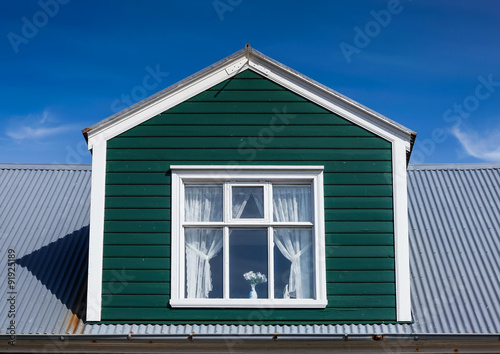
pixel 247 175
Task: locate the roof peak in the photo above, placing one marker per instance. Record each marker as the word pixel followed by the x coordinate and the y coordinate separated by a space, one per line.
pixel 454 166
pixel 44 166
pixel 248 58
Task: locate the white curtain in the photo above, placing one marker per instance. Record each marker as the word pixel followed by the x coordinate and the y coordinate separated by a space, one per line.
pixel 202 204
pixel 201 246
pixel 241 197
pixel 293 204
pixel 296 246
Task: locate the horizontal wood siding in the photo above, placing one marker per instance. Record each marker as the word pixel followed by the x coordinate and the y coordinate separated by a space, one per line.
pixel 249 120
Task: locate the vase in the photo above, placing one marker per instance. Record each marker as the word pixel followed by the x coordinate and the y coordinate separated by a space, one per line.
pixel 253 293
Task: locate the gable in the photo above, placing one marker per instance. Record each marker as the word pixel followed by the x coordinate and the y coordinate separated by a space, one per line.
pixel 358 197
pixel 249 119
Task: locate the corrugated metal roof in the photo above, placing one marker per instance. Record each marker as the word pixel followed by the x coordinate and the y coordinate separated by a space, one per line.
pixel 454 214
pixel 44 218
pixel 454 237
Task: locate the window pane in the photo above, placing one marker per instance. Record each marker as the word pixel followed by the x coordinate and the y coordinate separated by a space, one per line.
pixel 248 202
pixel 203 203
pixel 293 264
pixel 247 253
pixel 203 263
pixel 291 203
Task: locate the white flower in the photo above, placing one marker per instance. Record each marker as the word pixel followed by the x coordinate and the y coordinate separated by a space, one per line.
pixel 254 278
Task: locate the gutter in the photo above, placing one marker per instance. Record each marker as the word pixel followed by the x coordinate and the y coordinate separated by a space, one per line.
pixel 259 337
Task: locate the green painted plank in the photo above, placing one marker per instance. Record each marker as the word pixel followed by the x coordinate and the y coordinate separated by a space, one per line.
pixel 127 275
pixel 137 202
pixel 139 288
pixel 275 120
pixel 366 301
pixel 250 137
pixel 359 239
pixel 360 276
pixel 138 178
pixel 136 263
pixel 137 214
pixel 247 96
pixel 276 130
pixel 265 153
pixel 136 251
pixel 136 226
pixel 248 316
pixel 136 301
pixel 358 202
pixel 361 289
pixel 137 166
pixel 360 251
pixel 245 84
pixel 359 226
pixel 111 238
pixel 375 190
pixel 333 178
pixel 329 178
pixel 337 301
pixel 123 190
pixel 360 263
pixel 164 166
pixel 359 214
pixel 247 107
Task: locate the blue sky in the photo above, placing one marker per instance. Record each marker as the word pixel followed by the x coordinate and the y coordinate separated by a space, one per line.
pixel 430 65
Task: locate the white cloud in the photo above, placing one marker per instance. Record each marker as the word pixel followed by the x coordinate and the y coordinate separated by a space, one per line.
pixel 484 146
pixel 35 126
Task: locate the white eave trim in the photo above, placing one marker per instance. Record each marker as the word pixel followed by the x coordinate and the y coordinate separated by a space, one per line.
pixel 159 104
pixel 331 101
pixel 97 197
pixel 401 232
pixel 259 63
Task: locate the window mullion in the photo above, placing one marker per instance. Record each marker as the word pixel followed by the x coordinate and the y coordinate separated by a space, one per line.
pixel 270 276
pixel 225 269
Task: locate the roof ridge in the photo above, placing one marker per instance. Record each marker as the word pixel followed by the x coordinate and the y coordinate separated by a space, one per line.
pixel 44 166
pixel 455 166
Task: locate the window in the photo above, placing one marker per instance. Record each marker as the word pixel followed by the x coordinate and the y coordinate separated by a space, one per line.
pixel 247 236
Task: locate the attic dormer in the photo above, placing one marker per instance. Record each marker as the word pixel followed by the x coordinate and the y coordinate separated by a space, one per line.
pixel 249 188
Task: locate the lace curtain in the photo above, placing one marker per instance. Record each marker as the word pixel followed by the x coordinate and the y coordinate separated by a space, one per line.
pixel 290 204
pixel 293 204
pixel 202 203
pixel 201 246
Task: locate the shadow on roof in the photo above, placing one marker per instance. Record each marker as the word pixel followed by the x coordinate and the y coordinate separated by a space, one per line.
pixel 62 267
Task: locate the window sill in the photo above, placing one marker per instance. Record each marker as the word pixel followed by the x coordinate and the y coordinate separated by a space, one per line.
pixel 249 303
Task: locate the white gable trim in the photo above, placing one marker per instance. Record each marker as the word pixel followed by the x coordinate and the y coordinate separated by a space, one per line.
pixel 325 99
pixel 97 197
pixel 173 98
pixel 280 74
pixel 401 232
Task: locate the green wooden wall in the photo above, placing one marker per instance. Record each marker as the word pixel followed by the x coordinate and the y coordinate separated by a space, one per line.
pixel 249 120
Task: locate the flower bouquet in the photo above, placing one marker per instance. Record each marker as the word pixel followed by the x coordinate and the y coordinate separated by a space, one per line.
pixel 254 279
